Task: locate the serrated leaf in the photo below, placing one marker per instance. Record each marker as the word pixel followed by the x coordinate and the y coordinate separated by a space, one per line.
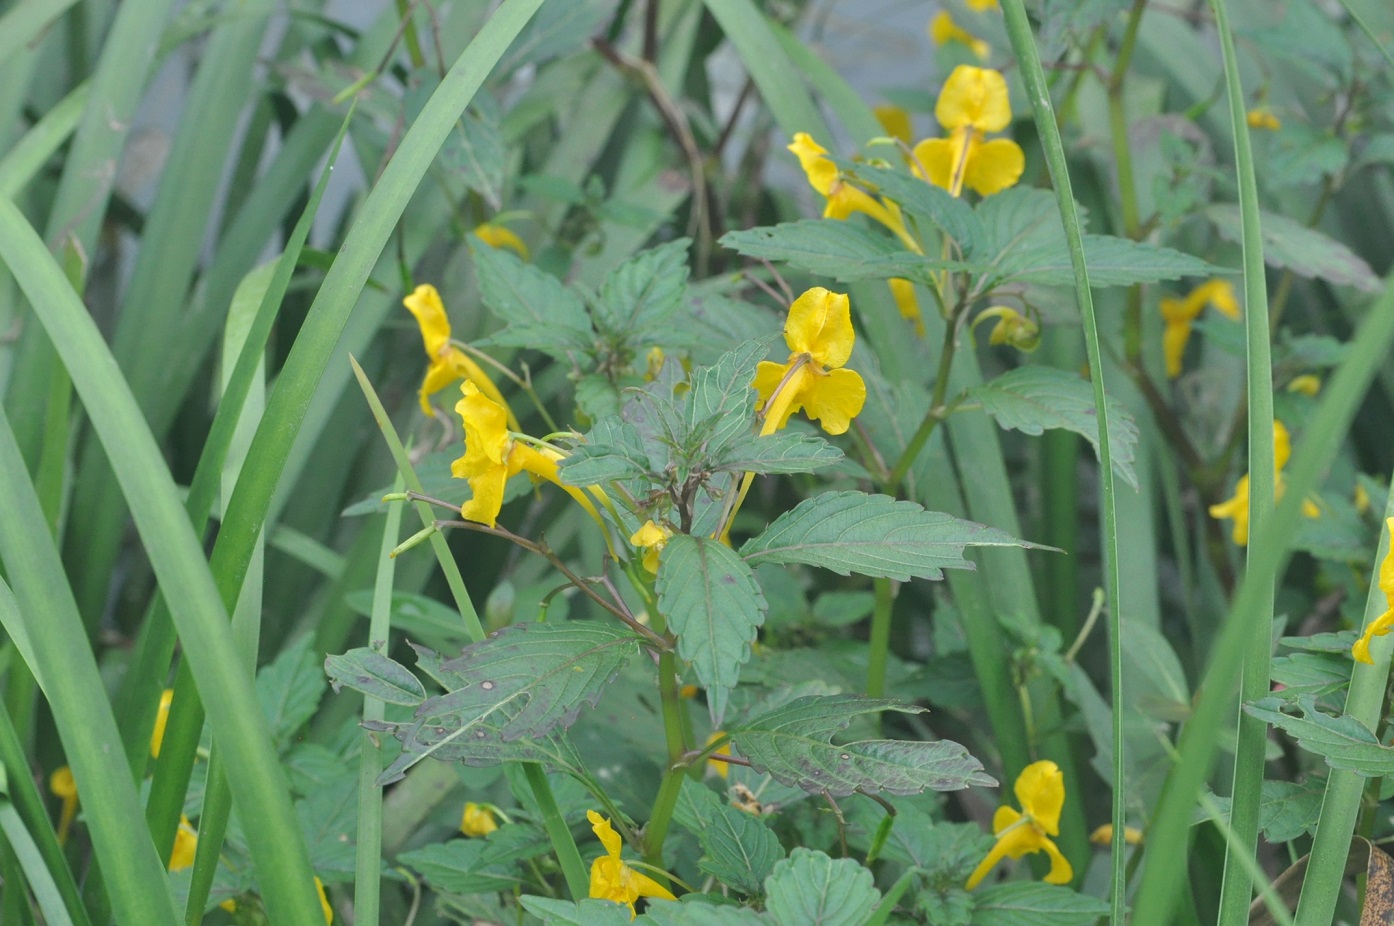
pixel 290 688
pixel 475 151
pixel 839 250
pixel 554 912
pixel 1112 262
pixel 556 28
pixel 688 912
pixel 371 673
pixel 1312 673
pixel 740 849
pixel 1031 903
pixel 611 450
pixel 721 403
pixel 1031 399
pixel 1286 810
pixel 811 889
pixel 1305 251
pixel 643 291
pixel 715 607
pixel 525 681
pixel 538 310
pixel 792 744
pixel 924 200
pixel 1343 741
pixel 872 535
pixel 329 819
pixel 475 866
pixel 781 452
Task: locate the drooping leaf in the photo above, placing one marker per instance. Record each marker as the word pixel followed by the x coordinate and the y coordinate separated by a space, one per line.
pixel 539 312
pixel 713 604
pixel 523 682
pixel 792 743
pixel 554 912
pixel 1343 741
pixel 839 250
pixel 1032 903
pixel 1305 251
pixel 781 452
pixel 484 746
pixel 643 291
pixel 475 866
pixel 1031 399
pixel 740 849
pixel 371 673
pixel 289 689
pixel 872 535
pixel 809 888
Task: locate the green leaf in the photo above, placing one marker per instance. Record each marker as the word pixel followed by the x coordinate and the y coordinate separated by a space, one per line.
pixel 740 849
pixel 417 616
pixel 1032 903
pixel 290 688
pixel 1287 810
pixel 329 819
pixel 1313 673
pixel 556 912
pixel 720 406
pixel 1343 741
pixel 643 291
pixel 872 535
pixel 791 744
pixel 540 313
pixel 781 452
pixel 1031 399
pixel 371 673
pixel 523 682
pixel 688 912
pixel 811 889
pixel 713 604
pixel 476 866
pixel 610 451
pixel 557 28
pixel 1305 251
pixel 922 200
pixel 835 249
pixel 1112 262
pixel 475 151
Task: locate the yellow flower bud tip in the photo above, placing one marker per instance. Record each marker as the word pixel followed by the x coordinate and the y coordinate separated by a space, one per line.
pixel 1012 328
pixel 1306 384
pixel 1103 836
pixel 477 820
pixel 499 236
pixel 1261 117
pixel 943 29
pixel 61 783
pixel 1040 790
pixel 157 735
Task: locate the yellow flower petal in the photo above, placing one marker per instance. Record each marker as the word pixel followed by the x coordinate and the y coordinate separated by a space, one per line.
pixel 185 845
pixel 1103 835
pixel 426 305
pixel 1376 628
pixel 1060 870
pixel 1040 788
pixel 499 236
pixel 1220 295
pixel 980 6
pixel 1175 336
pixel 994 166
pixel 605 833
pixel 943 29
pixel 835 399
pixel 486 450
pixel 1361 499
pixel 903 292
pixel 651 539
pixel 1306 384
pixel 974 97
pixel 611 878
pixel 1261 117
pixel 1282 445
pixel 157 735
pixel 895 120
pixel 1236 507
pixel 820 325
pixel 324 903
pixel 477 820
pixel 722 769
pixel 812 156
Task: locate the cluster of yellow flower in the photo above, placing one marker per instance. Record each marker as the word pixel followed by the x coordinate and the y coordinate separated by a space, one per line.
pixel 1385 622
pixel 1236 508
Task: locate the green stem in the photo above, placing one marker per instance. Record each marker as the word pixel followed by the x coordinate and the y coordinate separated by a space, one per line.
pixel 1236 891
pixel 936 411
pixel 657 830
pixel 1023 45
pixel 577 881
pixel 880 643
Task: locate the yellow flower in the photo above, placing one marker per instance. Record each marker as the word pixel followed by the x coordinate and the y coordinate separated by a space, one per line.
pixel 611 878
pixel 651 539
pixel 1012 328
pixel 943 29
pixel 1307 384
pixel 820 338
pixel 500 236
pixel 1236 507
pixel 1261 117
pixel 64 786
pixel 981 6
pixel 492 455
pixel 1361 499
pixel 1179 314
pixel 324 903
pixel 972 103
pixel 478 820
pixel 1103 836
pixel 716 765
pixel 903 291
pixel 1385 622
pixel 844 198
pixel 157 736
pixel 895 120
pixel 1040 789
pixel 185 845
pixel 447 362
pixel 688 691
